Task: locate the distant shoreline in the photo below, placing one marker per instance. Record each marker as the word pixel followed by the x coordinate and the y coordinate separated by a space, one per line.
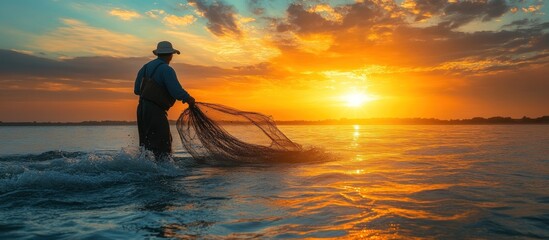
pixel 371 121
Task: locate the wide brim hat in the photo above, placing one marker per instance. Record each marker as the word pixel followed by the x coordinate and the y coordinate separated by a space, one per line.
pixel 165 47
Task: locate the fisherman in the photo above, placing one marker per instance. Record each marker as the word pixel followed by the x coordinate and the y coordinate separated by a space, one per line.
pixel 158 89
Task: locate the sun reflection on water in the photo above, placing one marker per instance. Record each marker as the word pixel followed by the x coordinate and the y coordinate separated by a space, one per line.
pixel 391 179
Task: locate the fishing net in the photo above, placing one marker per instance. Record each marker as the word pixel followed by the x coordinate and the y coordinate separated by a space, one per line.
pixel 216 132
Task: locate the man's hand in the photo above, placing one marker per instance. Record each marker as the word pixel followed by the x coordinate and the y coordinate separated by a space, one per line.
pixel 190 101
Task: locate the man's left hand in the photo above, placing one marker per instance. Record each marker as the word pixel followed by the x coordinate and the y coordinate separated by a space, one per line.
pixel 190 101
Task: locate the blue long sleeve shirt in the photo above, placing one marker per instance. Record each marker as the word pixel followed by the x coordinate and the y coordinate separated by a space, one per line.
pixel 165 77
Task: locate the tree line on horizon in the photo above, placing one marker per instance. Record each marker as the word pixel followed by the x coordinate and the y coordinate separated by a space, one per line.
pixel 342 121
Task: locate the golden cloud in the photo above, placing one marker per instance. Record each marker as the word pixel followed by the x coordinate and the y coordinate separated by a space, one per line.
pixel 327 12
pixel 123 14
pixel 155 13
pixel 532 8
pixel 177 21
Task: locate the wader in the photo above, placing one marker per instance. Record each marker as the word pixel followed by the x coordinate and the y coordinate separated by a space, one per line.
pixel 152 116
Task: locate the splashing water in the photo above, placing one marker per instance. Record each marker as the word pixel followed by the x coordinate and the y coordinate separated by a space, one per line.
pixel 78 170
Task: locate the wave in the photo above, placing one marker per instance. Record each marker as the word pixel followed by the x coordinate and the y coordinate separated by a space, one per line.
pixel 81 171
pixel 62 170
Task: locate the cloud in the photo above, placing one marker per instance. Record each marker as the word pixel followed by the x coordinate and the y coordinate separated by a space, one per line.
pixel 532 8
pixel 320 18
pixel 223 51
pixel 22 71
pixel 23 51
pixel 78 38
pixel 304 21
pixel 155 13
pixel 525 22
pixel 375 33
pixel 99 88
pixel 465 11
pixel 177 21
pixel 457 13
pixel 327 12
pixel 123 14
pixel 170 20
pixel 423 9
pixel 221 17
pixel 24 66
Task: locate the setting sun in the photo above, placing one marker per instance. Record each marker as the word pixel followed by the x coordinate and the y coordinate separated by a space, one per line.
pixel 357 99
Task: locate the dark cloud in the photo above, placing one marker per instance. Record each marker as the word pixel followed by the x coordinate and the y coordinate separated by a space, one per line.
pixel 304 21
pixel 368 13
pixel 24 76
pixel 22 95
pixel 526 22
pixel 221 17
pixel 463 12
pixel 361 14
pixel 432 46
pixel 19 64
pixel 460 12
pixel 102 67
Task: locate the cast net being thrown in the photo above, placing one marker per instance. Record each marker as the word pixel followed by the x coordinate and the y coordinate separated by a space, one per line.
pixel 216 132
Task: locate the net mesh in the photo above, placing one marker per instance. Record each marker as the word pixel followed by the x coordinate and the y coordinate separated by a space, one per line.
pixel 215 132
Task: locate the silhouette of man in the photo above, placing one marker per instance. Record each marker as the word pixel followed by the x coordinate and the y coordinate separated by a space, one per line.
pixel 158 89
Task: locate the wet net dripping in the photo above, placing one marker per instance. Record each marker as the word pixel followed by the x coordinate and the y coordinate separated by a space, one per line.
pixel 216 132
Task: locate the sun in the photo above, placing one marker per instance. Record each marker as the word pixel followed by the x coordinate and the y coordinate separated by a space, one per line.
pixel 357 99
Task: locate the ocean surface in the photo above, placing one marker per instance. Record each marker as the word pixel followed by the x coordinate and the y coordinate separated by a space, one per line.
pixel 380 182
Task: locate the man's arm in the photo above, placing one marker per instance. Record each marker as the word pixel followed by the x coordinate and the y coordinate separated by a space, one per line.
pixel 138 79
pixel 174 87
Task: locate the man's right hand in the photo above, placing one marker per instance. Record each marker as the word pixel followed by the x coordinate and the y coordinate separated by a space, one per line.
pixel 190 101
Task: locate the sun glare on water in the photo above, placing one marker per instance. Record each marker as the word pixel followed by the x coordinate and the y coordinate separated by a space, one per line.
pixel 357 99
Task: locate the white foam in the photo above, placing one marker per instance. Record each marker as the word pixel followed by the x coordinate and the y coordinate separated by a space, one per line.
pixel 89 170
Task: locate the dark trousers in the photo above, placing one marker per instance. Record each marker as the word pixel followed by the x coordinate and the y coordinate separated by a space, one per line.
pixel 154 129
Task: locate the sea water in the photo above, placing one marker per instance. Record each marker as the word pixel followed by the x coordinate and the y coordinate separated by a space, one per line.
pixel 381 182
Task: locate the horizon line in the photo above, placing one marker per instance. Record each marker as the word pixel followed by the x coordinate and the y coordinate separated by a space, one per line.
pixel 341 121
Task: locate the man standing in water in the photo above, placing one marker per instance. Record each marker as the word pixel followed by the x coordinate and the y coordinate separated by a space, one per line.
pixel 158 89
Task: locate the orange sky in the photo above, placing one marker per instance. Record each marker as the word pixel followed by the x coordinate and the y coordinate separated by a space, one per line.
pixel 292 60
